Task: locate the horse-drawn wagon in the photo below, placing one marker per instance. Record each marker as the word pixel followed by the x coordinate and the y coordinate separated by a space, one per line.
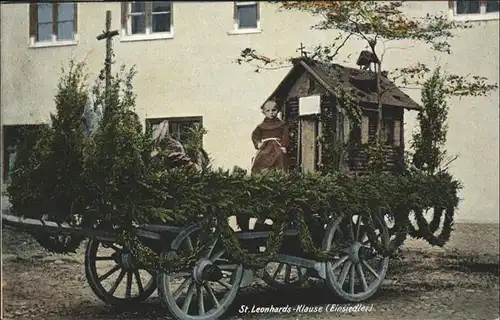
pixel 206 289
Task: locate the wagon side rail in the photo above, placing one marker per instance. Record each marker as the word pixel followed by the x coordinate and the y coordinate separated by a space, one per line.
pixel 34 226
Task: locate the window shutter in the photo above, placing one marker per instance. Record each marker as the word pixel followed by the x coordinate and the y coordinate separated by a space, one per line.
pixel 149 10
pixel 364 129
pixel 397 133
pixel 55 17
pixel 292 119
pixel 124 14
pixel 75 18
pixel 372 127
pixel 33 19
pixel 346 128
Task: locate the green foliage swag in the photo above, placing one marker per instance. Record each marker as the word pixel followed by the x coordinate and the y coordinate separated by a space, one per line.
pixel 185 196
pixel 109 178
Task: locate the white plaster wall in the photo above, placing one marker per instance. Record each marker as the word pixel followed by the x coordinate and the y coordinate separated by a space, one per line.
pixel 194 74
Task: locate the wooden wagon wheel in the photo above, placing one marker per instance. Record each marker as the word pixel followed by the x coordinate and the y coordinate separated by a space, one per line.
pixel 358 270
pixel 204 291
pixel 281 276
pixel 112 275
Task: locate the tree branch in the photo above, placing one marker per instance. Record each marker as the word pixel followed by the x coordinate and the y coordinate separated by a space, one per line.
pixel 342 44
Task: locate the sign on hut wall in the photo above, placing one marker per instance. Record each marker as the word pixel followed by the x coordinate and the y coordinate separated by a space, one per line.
pixel 309 105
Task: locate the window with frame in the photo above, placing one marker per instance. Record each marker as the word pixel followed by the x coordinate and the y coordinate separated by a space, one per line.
pixel 147 18
pixel 178 127
pixel 53 22
pixel 246 15
pixel 475 9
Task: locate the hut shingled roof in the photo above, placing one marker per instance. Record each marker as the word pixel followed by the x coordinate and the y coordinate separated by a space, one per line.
pixel 359 83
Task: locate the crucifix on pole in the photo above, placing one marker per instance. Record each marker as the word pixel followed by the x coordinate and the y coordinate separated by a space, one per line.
pixel 108 34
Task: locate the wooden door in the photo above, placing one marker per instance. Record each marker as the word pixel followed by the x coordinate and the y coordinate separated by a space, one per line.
pixel 309 146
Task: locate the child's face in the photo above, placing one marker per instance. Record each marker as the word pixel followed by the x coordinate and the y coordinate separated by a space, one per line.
pixel 270 110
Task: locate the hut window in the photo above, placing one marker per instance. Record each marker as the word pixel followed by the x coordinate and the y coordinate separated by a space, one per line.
pixel 388 131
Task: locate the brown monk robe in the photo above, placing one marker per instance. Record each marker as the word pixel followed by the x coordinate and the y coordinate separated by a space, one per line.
pixel 270 138
pixel 273 137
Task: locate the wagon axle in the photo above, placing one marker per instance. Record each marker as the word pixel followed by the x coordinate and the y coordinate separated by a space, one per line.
pixel 204 270
pixel 123 258
pixel 358 252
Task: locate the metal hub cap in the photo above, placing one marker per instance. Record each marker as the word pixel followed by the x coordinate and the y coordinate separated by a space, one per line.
pixel 198 269
pixel 204 270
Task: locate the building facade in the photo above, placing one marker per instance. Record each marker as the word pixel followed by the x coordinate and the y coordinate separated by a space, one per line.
pixel 185 55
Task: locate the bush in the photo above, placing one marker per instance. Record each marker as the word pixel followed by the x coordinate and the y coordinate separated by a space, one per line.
pixel 116 156
pixel 47 177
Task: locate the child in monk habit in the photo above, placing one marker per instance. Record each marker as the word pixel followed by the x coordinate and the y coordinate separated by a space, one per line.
pixel 271 139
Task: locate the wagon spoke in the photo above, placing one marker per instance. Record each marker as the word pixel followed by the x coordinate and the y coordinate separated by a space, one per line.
pixel 288 273
pixel 201 305
pixel 128 288
pixel 344 272
pixel 181 274
pixel 339 262
pixel 178 292
pixel 212 247
pixel 362 277
pixel 117 282
pixel 217 255
pixel 211 294
pixel 278 270
pixel 189 244
pixel 189 296
pixel 138 280
pixel 300 273
pixel 358 227
pixel 351 279
pixel 104 258
pixel 114 247
pixel 367 265
pixel 224 284
pixel 351 230
pixel 110 272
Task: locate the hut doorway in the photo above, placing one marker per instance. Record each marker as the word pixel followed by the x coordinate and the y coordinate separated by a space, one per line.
pixel 309 144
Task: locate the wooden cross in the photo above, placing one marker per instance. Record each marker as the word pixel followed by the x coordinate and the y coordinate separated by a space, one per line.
pixel 302 52
pixel 108 34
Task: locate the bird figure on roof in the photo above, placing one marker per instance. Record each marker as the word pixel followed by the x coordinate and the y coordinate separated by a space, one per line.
pixel 366 59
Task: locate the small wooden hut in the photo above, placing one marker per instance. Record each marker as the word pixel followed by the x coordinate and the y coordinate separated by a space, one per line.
pixel 310 91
